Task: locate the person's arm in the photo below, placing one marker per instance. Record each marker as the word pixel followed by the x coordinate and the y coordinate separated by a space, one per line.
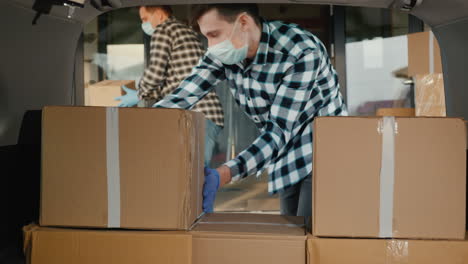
pixel 295 104
pixel 199 83
pixel 155 73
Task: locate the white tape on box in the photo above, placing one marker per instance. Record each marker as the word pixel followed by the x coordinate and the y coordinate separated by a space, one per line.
pixel 388 130
pixel 113 167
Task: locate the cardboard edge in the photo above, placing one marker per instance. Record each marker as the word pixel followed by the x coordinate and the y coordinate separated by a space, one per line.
pixel 314 175
pixel 45 110
pixel 246 236
pixel 201 177
pixel 309 250
pixel 185 124
pixel 28 238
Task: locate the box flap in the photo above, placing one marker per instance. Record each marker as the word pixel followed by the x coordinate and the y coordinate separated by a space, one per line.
pixel 255 224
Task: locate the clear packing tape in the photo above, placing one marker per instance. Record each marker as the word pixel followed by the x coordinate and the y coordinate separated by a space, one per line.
pixel 429 95
pixel 396 252
pixel 386 251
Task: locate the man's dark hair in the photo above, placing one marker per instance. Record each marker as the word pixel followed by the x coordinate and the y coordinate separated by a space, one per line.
pixel 167 9
pixel 228 11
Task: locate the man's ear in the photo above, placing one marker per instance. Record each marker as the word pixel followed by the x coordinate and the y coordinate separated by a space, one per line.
pixel 158 13
pixel 244 21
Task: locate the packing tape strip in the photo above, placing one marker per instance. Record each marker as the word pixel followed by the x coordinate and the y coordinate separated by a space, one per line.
pixel 113 167
pixel 431 52
pixel 397 251
pixel 387 176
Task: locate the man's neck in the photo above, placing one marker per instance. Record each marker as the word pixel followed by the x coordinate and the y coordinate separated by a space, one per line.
pixel 253 47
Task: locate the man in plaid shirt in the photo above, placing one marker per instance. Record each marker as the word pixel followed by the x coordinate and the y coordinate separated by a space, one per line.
pixel 175 50
pixel 282 77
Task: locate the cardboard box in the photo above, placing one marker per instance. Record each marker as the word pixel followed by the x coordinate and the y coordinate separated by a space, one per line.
pixel 395 112
pixel 121 167
pixel 423 54
pixel 59 246
pixel 429 95
pixel 384 251
pixel 361 189
pixel 104 93
pixel 249 238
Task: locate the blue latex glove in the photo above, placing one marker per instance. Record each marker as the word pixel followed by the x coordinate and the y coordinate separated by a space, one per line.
pixel 210 187
pixel 129 99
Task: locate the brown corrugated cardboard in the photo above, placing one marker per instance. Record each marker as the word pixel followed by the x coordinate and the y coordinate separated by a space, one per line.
pixel 59 246
pixel 429 178
pixel 104 93
pixel 159 153
pixel 385 251
pixel 429 95
pixel 395 112
pixel 419 54
pixel 249 238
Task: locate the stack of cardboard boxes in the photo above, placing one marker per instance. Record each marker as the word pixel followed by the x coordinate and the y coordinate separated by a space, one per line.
pixel 123 185
pixel 389 190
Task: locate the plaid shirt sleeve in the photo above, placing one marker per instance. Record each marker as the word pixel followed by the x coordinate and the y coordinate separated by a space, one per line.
pixel 151 83
pixel 199 83
pixel 291 109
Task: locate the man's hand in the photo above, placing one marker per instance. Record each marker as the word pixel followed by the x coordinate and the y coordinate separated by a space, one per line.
pixel 130 99
pixel 225 175
pixel 214 179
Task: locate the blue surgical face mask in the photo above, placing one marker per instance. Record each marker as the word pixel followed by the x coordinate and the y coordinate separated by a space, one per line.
pixel 147 28
pixel 227 53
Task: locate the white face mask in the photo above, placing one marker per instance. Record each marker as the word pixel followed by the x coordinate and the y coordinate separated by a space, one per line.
pixel 147 28
pixel 227 53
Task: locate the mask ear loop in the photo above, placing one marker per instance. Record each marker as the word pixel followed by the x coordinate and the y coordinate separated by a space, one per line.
pixel 235 26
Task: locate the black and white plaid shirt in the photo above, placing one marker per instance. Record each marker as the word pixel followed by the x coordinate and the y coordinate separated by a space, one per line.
pixel 289 82
pixel 175 50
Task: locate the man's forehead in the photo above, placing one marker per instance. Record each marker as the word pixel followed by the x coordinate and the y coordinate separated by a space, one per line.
pixel 142 11
pixel 212 21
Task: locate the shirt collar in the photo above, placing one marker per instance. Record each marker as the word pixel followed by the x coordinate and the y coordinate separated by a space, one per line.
pixel 262 51
pixel 168 20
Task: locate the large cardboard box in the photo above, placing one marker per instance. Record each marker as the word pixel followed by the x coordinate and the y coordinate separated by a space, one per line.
pixel 389 177
pixel 429 95
pixel 249 238
pixel 59 246
pixel 121 167
pixel 423 54
pixel 386 251
pixel 104 93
